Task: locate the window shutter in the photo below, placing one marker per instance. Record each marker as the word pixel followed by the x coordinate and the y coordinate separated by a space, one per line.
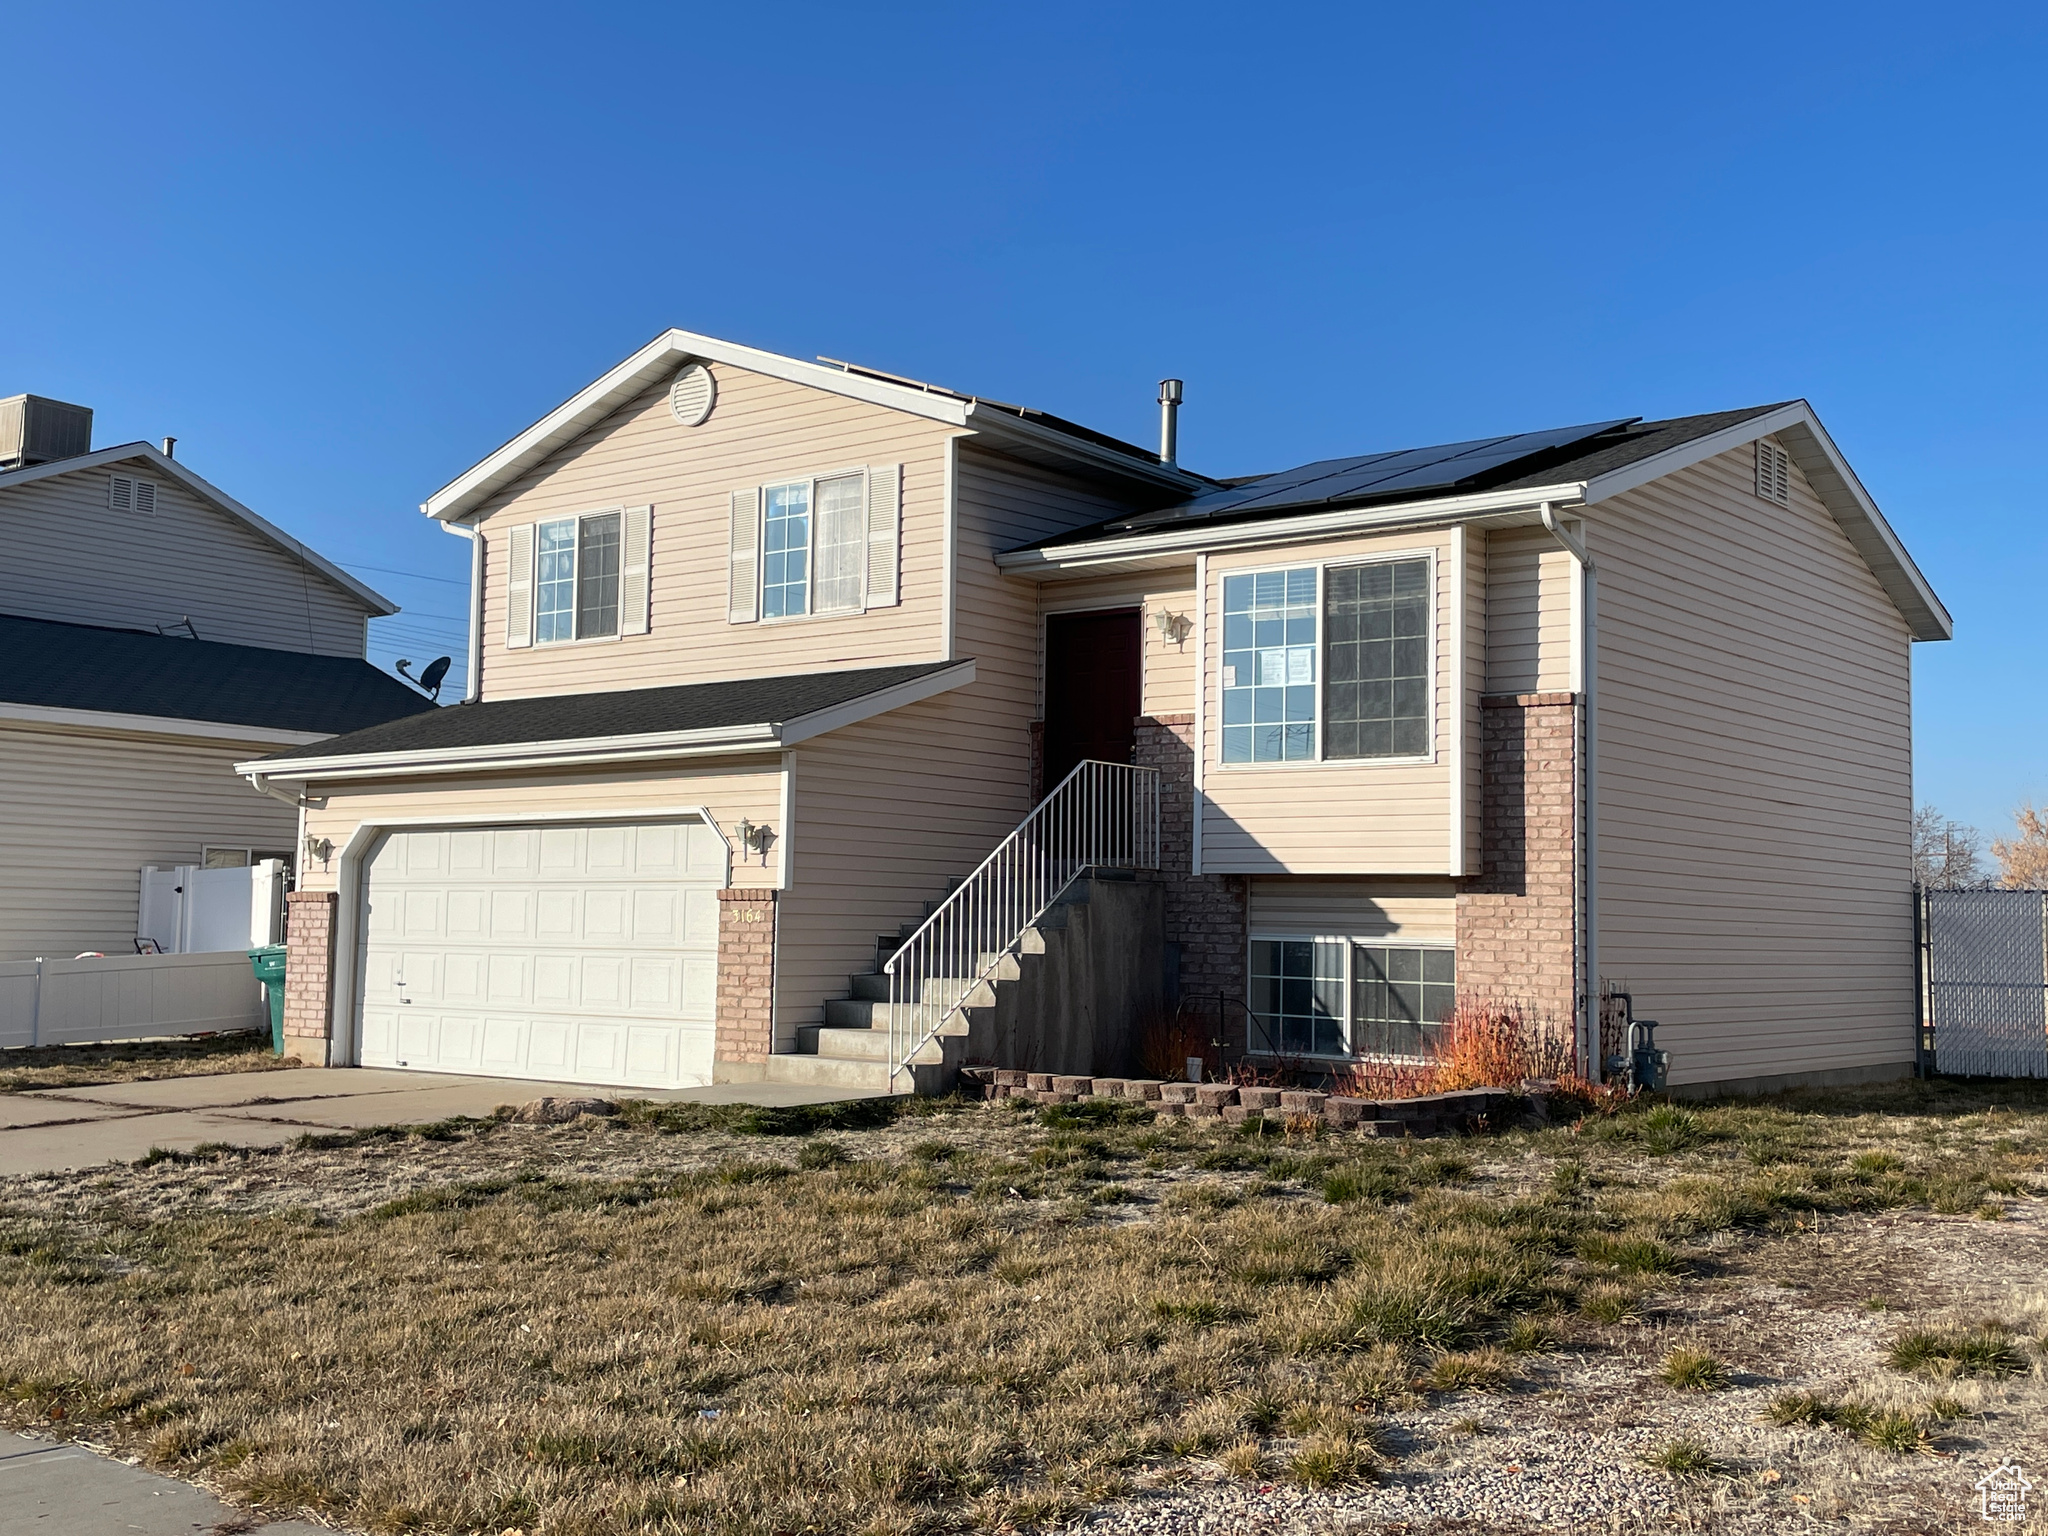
pixel 636 554
pixel 1773 472
pixel 519 588
pixel 885 523
pixel 743 570
pixel 145 497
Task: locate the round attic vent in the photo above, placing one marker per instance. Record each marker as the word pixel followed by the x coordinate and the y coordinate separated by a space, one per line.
pixel 692 395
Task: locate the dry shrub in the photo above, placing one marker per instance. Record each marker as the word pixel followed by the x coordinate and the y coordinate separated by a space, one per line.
pixel 1167 1037
pixel 1484 1044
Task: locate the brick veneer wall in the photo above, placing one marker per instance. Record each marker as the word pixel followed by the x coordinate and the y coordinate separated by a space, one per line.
pixel 309 974
pixel 1517 920
pixel 746 975
pixel 1208 916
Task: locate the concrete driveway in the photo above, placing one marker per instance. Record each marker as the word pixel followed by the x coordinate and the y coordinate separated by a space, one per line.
pixel 60 1128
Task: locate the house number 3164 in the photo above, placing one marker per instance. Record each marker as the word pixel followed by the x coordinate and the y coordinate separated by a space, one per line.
pixel 750 914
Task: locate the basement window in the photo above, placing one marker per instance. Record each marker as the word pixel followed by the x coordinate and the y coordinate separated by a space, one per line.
pixel 1337 997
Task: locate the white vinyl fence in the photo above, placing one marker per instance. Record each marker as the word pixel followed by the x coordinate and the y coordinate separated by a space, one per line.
pixel 186 910
pixel 128 997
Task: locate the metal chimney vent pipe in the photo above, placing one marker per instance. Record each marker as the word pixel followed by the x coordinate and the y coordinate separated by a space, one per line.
pixel 170 447
pixel 1169 413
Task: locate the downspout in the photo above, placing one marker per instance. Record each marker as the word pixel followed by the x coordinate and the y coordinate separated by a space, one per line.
pixel 1589 667
pixel 473 665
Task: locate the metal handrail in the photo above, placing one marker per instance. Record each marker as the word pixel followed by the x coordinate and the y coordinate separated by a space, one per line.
pixel 1102 815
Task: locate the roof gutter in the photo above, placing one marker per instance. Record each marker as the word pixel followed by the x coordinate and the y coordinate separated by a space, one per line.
pixel 1049 560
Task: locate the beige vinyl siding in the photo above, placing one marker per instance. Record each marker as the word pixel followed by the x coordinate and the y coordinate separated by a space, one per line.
pixel 1330 818
pixel 761 432
pixel 1529 612
pixel 71 558
pixel 728 788
pixel 1407 911
pixel 890 810
pixel 1755 780
pixel 82 811
pixel 1169 687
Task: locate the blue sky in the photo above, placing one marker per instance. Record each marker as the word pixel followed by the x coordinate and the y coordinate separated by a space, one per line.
pixel 341 254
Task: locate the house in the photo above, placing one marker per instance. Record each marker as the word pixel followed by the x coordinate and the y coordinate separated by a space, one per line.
pixel 771 655
pixel 156 630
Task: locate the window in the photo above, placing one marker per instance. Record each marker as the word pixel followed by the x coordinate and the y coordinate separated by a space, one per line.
pixel 576 578
pixel 1333 997
pixel 1341 653
pixel 814 547
pixel 1298 996
pixel 1400 998
pixel 1376 618
pixel 786 552
pixel 1269 666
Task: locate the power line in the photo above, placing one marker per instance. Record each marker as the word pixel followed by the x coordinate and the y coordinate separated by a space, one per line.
pixel 387 570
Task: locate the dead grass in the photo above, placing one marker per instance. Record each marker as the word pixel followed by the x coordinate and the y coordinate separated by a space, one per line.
pixel 24 1070
pixel 862 1326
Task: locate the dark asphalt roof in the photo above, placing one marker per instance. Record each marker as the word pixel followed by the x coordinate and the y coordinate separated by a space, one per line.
pixel 138 672
pixel 628 712
pixel 1450 469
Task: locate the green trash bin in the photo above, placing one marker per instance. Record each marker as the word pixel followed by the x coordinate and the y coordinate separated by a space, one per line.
pixel 268 963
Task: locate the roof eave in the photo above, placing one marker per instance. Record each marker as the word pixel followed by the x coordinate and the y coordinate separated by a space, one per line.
pixel 724 740
pixel 1049 561
pixel 379 605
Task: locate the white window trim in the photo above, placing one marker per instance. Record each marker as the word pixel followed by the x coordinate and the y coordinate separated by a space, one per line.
pixel 1321 760
pixel 811 550
pixel 1351 943
pixel 575 578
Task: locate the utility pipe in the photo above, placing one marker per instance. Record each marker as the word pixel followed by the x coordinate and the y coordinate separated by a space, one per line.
pixel 472 680
pixel 1589 667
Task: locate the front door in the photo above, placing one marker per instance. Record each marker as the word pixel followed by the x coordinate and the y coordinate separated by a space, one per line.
pixel 1093 689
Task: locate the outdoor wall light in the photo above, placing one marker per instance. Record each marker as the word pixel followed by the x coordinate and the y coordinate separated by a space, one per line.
pixel 754 837
pixel 320 848
pixel 1174 627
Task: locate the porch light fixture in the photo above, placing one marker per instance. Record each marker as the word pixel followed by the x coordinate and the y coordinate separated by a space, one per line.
pixel 1174 627
pixel 321 848
pixel 753 837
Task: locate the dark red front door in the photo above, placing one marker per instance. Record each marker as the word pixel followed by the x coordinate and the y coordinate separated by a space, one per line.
pixel 1093 677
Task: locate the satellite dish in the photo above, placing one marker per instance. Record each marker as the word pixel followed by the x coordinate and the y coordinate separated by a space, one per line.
pixel 429 681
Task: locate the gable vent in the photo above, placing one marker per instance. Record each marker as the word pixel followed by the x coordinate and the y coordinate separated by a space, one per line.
pixel 1773 472
pixel 125 494
pixel 692 395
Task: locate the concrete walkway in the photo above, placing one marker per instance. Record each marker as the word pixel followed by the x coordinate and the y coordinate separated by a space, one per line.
pixel 60 1128
pixel 53 1489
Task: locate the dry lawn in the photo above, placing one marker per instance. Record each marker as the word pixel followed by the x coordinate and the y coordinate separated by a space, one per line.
pixel 947 1317
pixel 24 1070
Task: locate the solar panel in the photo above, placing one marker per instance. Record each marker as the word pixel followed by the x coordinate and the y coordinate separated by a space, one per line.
pixel 1378 474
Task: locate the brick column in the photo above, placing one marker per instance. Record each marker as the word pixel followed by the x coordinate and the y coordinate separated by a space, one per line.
pixel 1206 915
pixel 1517 921
pixel 746 975
pixel 309 974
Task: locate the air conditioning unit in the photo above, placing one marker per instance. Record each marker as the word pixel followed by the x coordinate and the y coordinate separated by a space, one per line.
pixel 34 430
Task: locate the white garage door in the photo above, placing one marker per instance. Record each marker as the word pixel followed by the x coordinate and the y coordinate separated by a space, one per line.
pixel 576 953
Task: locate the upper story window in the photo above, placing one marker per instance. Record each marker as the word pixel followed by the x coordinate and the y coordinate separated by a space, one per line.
pixel 576 578
pixel 818 546
pixel 1327 663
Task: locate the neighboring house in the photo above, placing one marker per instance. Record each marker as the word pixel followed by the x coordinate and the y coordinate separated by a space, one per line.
pixel 155 630
pixel 768 654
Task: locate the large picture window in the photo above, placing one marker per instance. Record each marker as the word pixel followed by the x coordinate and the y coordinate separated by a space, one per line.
pixel 1327 664
pixel 1336 997
pixel 576 578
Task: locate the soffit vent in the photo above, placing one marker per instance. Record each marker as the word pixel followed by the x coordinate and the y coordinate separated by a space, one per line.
pixel 1773 472
pixel 692 395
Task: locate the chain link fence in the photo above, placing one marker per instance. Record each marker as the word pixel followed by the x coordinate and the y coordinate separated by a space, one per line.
pixel 1984 982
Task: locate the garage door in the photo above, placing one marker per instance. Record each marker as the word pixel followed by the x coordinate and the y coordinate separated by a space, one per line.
pixel 576 953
